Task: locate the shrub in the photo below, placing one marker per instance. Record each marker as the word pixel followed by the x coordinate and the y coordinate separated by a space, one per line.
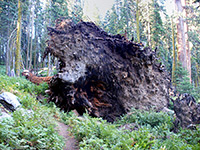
pixel 151 118
pixel 33 125
pixel 153 132
pixel 29 130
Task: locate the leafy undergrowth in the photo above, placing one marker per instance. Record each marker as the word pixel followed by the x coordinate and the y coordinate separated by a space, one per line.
pixel 146 130
pixel 33 125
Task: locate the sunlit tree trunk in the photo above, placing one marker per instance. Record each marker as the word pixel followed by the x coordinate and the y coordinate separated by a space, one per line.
pixel 188 50
pixel 137 21
pixel 182 38
pixel 148 26
pixel 18 41
pixel 174 54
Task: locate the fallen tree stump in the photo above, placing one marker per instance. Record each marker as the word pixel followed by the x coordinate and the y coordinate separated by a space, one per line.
pixel 104 74
pixel 187 112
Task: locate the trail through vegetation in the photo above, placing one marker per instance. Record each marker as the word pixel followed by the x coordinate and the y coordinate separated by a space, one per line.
pixel 70 142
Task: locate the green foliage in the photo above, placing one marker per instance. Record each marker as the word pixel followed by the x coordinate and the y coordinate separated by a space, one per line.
pixel 29 130
pixel 94 133
pixel 183 83
pixel 15 84
pixel 44 72
pixel 156 24
pixel 33 125
pixel 120 19
pixel 150 130
pixel 3 69
pixel 189 135
pixel 151 118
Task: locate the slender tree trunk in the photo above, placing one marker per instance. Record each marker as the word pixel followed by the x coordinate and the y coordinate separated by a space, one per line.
pixel 31 54
pixel 12 52
pixel 127 23
pixel 27 51
pixel 10 45
pixel 18 42
pixel 8 48
pixel 148 26
pixel 197 69
pixel 31 44
pixel 36 45
pixel 137 21
pixel 34 59
pixel 174 54
pixel 49 56
pixel 49 65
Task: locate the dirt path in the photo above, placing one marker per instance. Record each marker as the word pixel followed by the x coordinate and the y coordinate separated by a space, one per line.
pixel 70 142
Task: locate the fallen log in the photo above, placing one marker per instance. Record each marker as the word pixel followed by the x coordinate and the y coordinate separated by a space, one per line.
pixel 105 75
pixel 34 79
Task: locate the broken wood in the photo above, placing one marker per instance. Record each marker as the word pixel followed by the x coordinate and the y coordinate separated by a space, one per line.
pixel 34 79
pixel 105 75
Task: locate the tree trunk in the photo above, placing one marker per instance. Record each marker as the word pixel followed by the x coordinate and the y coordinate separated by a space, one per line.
pixel 104 74
pixel 49 65
pixel 18 42
pixel 197 69
pixel 8 47
pixel 188 50
pixel 182 38
pixel 148 26
pixel 174 54
pixel 137 21
pixel 13 47
pixel 31 44
pixel 27 51
pixel 49 56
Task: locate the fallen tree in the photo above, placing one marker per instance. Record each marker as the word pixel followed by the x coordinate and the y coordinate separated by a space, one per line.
pixel 104 74
pixel 187 112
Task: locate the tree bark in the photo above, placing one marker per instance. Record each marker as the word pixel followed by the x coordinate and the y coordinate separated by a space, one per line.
pixel 8 47
pixel 27 51
pixel 174 53
pixel 182 38
pixel 18 42
pixel 188 50
pixel 148 26
pixel 31 44
pixel 197 69
pixel 137 21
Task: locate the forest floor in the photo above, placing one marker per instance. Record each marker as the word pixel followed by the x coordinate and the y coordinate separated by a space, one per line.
pixel 63 130
pixel 70 142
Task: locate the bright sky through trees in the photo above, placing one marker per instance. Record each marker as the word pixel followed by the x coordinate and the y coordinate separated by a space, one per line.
pixel 102 6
